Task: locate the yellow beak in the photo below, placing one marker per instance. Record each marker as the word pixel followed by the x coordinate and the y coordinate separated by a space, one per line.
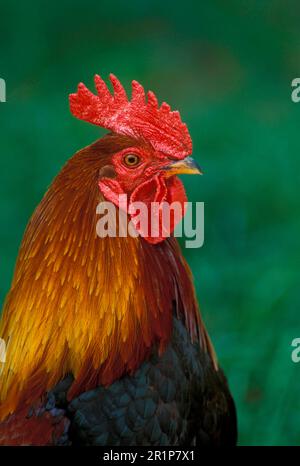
pixel 187 166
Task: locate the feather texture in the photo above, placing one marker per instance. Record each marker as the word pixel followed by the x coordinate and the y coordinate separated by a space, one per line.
pixel 86 305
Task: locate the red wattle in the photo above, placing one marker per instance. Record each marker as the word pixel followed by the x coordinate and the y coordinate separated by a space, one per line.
pixel 158 190
pixel 149 218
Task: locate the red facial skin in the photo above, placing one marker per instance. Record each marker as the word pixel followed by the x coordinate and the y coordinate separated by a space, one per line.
pixel 145 182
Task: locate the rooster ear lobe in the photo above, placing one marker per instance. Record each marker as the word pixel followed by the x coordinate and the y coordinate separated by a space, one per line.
pixel 107 171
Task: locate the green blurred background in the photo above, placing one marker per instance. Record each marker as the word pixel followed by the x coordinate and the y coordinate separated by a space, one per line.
pixel 228 67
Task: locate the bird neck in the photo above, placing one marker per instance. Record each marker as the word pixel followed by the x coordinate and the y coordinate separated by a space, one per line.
pixel 94 307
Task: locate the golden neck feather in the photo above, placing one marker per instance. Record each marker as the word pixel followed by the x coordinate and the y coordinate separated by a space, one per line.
pixel 94 307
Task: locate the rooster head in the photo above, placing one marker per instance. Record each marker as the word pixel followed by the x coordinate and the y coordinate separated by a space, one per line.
pixel 146 169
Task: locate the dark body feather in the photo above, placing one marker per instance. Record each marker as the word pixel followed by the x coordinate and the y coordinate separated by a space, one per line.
pixel 175 399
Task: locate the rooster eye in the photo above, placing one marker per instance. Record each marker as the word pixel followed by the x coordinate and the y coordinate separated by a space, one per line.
pixel 131 160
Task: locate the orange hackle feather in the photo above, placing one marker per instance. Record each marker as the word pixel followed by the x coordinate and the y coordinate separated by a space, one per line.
pixel 94 307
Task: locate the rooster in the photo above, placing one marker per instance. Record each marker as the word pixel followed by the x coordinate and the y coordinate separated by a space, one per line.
pixel 105 342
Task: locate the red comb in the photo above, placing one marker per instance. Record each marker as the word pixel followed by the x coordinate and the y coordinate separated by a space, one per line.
pixel 136 117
